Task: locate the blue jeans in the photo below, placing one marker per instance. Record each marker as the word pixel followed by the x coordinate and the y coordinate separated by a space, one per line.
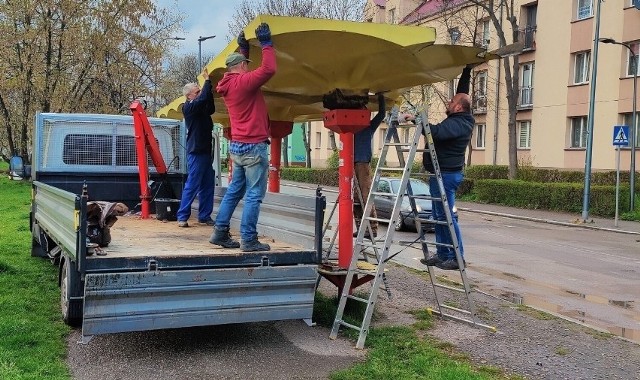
pixel 249 181
pixel 450 182
pixel 200 183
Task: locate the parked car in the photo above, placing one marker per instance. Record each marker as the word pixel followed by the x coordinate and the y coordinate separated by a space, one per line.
pixel 384 203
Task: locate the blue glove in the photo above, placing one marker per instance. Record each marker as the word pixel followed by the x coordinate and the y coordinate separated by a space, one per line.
pixel 263 33
pixel 244 44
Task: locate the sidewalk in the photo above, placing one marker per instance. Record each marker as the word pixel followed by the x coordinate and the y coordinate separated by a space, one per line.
pixel 542 216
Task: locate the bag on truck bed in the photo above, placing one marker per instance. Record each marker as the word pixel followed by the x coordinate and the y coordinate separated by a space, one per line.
pixel 101 216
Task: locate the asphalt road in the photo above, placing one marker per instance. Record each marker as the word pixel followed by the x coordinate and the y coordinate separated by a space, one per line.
pixel 588 273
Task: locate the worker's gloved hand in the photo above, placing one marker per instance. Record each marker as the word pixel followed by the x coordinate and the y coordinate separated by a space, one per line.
pixel 243 44
pixel 263 33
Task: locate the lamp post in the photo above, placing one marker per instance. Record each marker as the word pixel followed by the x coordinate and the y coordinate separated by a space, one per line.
pixel 592 101
pixel 634 120
pixel 200 39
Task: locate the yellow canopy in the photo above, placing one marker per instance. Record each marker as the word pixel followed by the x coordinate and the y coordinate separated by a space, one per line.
pixel 317 56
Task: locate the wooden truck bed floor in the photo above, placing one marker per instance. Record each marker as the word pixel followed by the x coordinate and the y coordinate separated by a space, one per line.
pixel 135 237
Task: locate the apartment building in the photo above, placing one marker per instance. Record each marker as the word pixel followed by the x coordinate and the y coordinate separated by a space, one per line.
pixel 554 74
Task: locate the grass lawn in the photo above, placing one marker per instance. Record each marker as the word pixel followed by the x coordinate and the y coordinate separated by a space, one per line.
pixel 32 334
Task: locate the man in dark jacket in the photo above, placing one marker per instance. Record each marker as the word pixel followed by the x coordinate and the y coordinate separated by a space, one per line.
pixel 450 138
pixel 197 111
pixel 362 166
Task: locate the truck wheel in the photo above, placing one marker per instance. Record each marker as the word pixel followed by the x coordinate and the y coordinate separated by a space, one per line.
pixel 71 309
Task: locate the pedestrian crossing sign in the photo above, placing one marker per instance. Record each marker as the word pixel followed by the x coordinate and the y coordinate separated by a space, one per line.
pixel 620 135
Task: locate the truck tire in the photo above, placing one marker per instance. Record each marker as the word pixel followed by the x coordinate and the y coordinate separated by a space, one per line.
pixel 71 308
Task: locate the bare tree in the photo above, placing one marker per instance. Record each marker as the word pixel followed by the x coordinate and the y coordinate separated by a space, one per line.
pixel 70 56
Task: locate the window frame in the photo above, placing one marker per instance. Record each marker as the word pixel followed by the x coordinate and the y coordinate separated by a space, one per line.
pixel 583 15
pixel 582 144
pixel 318 144
pixel 528 136
pixel 586 67
pixel 528 88
pixel 635 47
pixel 480 136
pixel 627 119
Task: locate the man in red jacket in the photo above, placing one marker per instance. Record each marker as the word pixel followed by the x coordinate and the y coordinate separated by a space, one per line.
pixel 240 90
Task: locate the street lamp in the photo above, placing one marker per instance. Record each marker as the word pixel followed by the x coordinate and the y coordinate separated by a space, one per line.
pixel 632 130
pixel 200 39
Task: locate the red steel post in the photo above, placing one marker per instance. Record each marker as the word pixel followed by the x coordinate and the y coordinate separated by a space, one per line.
pixel 279 129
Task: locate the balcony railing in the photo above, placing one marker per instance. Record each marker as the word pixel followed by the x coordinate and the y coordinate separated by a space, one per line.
pixel 526 97
pixel 528 37
pixel 479 103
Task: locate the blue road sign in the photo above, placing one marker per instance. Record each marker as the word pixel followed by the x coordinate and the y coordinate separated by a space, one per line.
pixel 620 135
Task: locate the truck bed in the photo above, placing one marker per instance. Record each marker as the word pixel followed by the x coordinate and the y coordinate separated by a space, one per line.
pixel 132 236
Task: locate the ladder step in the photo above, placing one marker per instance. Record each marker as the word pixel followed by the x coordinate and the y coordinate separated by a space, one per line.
pixel 469 321
pixel 377 219
pixel 352 297
pixel 450 288
pixel 462 311
pixel 389 169
pixel 350 325
pixel 397 144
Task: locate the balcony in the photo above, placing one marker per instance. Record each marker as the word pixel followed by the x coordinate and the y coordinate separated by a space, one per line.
pixel 479 103
pixel 525 100
pixel 528 37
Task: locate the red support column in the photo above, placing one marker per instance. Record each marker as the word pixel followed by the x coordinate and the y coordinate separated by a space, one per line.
pixel 345 200
pixel 279 129
pixel 346 123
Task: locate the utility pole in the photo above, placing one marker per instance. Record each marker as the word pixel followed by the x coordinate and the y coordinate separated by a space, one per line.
pixel 592 101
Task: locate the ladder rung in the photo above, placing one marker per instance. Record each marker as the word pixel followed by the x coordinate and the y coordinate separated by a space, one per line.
pixel 389 169
pixel 350 325
pixel 352 297
pixel 462 311
pixel 471 322
pixel 377 219
pixel 449 287
pixel 397 144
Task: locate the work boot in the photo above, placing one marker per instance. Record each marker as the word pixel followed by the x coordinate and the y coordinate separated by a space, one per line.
pixel 183 223
pixel 254 245
pixel 451 264
pixel 222 237
pixel 431 261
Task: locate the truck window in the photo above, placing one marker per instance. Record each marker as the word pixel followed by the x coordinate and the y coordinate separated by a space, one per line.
pixel 83 149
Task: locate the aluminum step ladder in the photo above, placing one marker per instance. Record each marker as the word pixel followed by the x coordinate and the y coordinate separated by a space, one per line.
pixel 406 155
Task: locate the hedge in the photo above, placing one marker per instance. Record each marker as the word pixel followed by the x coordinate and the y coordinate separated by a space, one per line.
pixel 550 196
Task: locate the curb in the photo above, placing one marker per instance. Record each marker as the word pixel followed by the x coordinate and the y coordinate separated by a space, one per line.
pixel 548 221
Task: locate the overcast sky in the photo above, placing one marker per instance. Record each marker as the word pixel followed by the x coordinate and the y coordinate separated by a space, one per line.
pixel 202 18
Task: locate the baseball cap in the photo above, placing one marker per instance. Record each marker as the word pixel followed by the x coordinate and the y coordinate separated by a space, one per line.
pixel 235 58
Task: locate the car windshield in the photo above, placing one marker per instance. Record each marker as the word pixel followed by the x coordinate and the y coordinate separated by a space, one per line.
pixel 418 187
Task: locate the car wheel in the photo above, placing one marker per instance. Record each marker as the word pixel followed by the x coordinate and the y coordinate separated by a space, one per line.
pixel 398 224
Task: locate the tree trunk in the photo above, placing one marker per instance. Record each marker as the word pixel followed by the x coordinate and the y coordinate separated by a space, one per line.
pixel 306 134
pixel 285 151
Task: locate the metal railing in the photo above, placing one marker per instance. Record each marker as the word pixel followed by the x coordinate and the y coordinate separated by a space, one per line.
pixel 528 37
pixel 526 96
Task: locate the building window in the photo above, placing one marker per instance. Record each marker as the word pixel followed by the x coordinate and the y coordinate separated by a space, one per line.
pixel 632 60
pixel 392 16
pixel 318 140
pixel 454 34
pixel 483 34
pixel 585 9
pixel 579 132
pixel 480 92
pixel 524 135
pixel 453 86
pixel 481 130
pixel 527 35
pixel 581 69
pixel 406 133
pixel 526 84
pixel 627 119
